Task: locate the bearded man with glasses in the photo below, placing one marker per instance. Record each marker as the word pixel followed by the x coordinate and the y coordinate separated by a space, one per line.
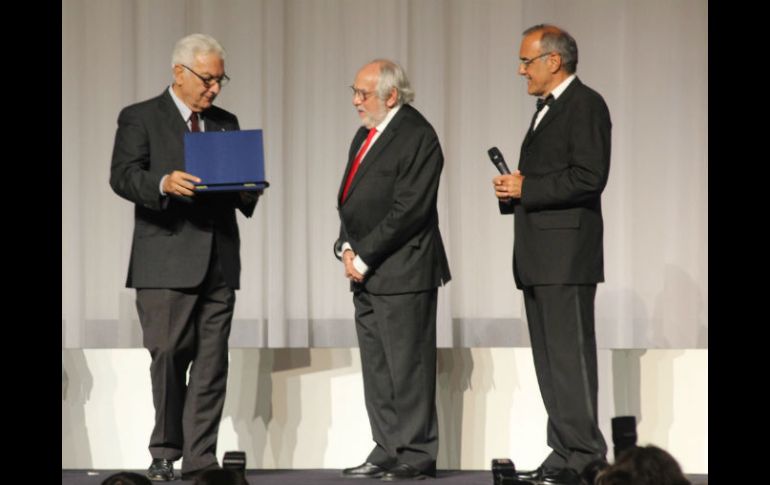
pixel 393 255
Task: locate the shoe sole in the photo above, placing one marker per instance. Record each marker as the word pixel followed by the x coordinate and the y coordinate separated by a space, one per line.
pixel 394 479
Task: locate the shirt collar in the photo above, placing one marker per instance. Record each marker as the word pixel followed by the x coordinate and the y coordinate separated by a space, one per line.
pixel 388 117
pixel 183 109
pixel 558 90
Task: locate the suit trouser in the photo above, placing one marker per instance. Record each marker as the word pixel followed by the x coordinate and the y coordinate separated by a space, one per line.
pixel 181 326
pixel 561 329
pixel 397 341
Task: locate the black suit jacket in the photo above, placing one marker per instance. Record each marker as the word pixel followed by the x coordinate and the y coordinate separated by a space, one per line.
pixel 558 226
pixel 389 216
pixel 173 236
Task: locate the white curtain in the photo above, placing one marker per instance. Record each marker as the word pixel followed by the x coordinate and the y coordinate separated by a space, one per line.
pixel 291 63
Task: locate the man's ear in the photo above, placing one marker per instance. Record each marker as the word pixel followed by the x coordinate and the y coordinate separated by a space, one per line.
pixel 178 71
pixel 392 99
pixel 554 63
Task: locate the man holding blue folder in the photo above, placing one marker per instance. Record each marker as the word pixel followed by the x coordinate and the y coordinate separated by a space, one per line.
pixel 185 262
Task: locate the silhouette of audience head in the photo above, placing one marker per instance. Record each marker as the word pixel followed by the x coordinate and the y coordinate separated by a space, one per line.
pixel 591 471
pixel 648 465
pixel 223 476
pixel 126 478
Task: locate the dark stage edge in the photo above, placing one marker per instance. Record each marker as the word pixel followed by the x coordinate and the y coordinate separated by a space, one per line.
pixel 303 477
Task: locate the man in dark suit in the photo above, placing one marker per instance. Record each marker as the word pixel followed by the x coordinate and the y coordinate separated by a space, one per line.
pixel 555 196
pixel 393 254
pixel 185 262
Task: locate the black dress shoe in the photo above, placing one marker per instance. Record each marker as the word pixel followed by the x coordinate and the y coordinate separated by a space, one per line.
pixel 367 470
pixel 192 475
pixel 161 470
pixel 536 474
pixel 403 472
pixel 565 476
pixel 515 481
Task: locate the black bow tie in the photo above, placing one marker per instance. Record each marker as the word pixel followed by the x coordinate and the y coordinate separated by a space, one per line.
pixel 544 102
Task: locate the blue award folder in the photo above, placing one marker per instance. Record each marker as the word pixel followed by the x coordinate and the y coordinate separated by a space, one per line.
pixel 226 160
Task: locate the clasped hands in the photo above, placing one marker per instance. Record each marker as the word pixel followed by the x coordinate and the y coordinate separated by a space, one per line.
pixel 350 271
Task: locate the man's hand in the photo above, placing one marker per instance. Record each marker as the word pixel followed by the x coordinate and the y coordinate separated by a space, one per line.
pixel 508 187
pixel 180 183
pixel 350 271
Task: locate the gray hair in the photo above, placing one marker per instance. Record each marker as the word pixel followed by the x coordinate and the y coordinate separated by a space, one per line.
pixel 188 47
pixel 392 76
pixel 556 39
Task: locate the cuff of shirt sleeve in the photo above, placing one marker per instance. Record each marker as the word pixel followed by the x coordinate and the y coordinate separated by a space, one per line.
pixel 160 186
pixel 360 266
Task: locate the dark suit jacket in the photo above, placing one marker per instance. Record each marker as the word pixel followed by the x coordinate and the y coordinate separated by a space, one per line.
pixel 173 236
pixel 558 225
pixel 389 216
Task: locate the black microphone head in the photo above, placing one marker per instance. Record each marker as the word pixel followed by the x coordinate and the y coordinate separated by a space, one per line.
pixel 498 161
pixel 494 154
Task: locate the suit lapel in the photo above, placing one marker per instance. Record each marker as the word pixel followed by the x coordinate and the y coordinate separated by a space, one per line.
pixel 171 112
pixel 358 139
pixel 556 107
pixel 211 122
pixel 372 156
pixel 176 126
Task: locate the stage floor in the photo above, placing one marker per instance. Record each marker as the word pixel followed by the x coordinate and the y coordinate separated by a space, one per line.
pixel 303 477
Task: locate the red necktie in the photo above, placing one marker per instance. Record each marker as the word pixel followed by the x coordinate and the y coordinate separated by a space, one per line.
pixel 357 163
pixel 194 122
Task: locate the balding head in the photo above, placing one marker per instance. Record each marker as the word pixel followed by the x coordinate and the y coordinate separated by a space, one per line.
pixel 558 40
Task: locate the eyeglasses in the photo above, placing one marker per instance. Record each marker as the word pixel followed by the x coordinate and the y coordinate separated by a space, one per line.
pixel 361 93
pixel 209 81
pixel 526 62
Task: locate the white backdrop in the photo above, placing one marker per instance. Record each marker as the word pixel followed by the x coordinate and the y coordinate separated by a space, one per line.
pixel 291 62
pixel 304 408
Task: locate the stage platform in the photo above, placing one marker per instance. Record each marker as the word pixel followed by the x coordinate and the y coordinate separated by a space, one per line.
pixel 304 477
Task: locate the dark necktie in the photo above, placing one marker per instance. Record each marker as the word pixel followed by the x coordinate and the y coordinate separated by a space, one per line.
pixel 194 127
pixel 357 162
pixel 540 103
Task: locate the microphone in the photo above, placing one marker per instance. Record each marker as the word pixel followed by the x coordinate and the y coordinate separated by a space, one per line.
pixel 498 161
